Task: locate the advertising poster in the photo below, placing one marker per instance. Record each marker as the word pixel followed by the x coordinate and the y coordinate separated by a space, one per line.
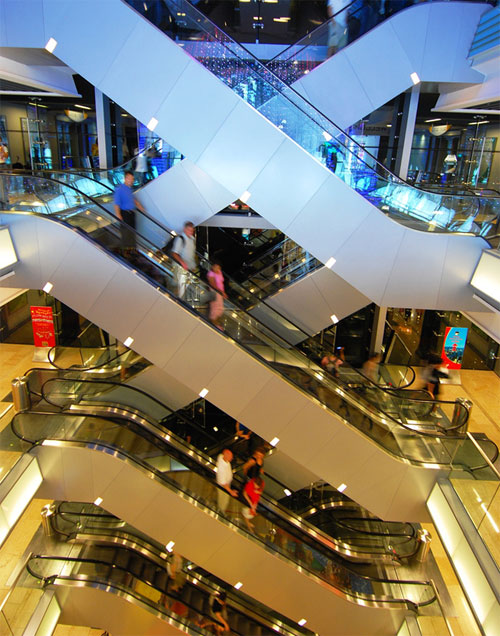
pixel 454 346
pixel 42 321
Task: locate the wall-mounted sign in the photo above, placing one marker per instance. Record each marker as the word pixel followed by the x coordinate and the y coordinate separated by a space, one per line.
pixel 42 321
pixel 454 347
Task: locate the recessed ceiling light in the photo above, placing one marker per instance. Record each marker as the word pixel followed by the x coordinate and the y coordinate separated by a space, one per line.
pixel 245 196
pixel 429 121
pixel 203 392
pixel 415 78
pixel 342 487
pixel 153 122
pixel 128 341
pixel 302 622
pixel 98 501
pixel 47 288
pixel 330 262
pixel 238 585
pixel 51 45
pixel 170 546
pixel 334 319
pixel 274 441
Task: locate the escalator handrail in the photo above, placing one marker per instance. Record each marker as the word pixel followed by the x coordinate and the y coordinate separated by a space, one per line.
pixel 132 389
pixel 155 550
pixel 297 523
pixel 177 300
pixel 84 578
pixel 257 64
pixel 155 473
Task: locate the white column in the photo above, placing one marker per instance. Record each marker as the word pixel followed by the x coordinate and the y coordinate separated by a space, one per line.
pixel 407 131
pixel 378 329
pixel 103 129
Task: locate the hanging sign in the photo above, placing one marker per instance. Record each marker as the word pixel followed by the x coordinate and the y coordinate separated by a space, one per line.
pixel 42 321
pixel 454 346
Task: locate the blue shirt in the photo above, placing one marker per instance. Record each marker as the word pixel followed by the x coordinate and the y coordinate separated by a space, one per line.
pixel 124 198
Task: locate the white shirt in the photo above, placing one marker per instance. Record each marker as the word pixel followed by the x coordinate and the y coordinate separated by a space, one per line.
pixel 224 475
pixel 186 249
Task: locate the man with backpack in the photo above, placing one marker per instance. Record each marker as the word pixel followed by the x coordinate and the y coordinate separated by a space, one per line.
pixel 184 252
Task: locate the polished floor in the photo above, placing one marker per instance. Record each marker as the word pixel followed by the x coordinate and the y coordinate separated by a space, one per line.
pixel 481 387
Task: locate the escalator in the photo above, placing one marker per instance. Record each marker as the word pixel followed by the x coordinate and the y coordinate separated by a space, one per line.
pixel 412 36
pixel 180 477
pixel 110 553
pixel 246 367
pixel 199 425
pixel 281 137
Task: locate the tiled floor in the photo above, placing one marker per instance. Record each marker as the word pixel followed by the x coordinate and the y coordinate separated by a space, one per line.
pixel 481 387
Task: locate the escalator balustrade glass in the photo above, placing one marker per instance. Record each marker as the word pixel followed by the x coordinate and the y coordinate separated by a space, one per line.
pixel 202 426
pixel 401 425
pixel 148 449
pixel 297 118
pixel 80 523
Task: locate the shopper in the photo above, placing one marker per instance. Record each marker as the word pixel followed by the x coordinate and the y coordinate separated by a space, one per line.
pixel 224 478
pixel 215 279
pixel 184 252
pixel 252 493
pixel 125 205
pixel 254 466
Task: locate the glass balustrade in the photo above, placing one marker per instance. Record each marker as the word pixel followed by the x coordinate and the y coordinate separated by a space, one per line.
pixel 296 117
pixel 152 454
pixel 402 425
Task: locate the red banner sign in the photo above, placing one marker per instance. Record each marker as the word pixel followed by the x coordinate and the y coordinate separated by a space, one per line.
pixel 43 326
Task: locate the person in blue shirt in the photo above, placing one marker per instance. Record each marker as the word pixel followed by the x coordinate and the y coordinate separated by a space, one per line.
pixel 125 205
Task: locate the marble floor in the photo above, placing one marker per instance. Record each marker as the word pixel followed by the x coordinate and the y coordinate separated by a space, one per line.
pixel 481 387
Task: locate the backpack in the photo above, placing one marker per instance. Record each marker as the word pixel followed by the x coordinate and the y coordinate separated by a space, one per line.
pixel 167 250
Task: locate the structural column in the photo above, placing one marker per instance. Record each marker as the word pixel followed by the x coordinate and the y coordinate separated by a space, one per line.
pixel 103 122
pixel 407 131
pixel 378 329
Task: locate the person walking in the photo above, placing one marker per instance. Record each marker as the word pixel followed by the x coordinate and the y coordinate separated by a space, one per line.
pixel 252 493
pixel 125 204
pixel 215 279
pixel 184 252
pixel 224 478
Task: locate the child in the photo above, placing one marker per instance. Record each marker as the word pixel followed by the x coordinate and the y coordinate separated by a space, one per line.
pixel 252 493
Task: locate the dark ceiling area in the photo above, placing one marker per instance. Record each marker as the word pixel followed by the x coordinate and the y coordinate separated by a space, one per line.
pixel 282 21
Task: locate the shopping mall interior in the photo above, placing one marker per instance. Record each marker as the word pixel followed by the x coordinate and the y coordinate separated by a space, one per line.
pixel 249 317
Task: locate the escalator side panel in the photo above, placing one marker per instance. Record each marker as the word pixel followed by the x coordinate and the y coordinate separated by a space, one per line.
pixel 200 357
pixel 88 606
pixel 209 138
pixel 183 192
pixel 415 38
pixel 129 492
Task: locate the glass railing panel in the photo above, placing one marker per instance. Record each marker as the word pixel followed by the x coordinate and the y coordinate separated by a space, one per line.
pixel 89 571
pixel 290 112
pixel 206 493
pixel 365 405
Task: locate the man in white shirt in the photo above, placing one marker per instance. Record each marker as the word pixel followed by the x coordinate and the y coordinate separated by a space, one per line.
pixel 337 27
pixel 224 477
pixel 184 252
